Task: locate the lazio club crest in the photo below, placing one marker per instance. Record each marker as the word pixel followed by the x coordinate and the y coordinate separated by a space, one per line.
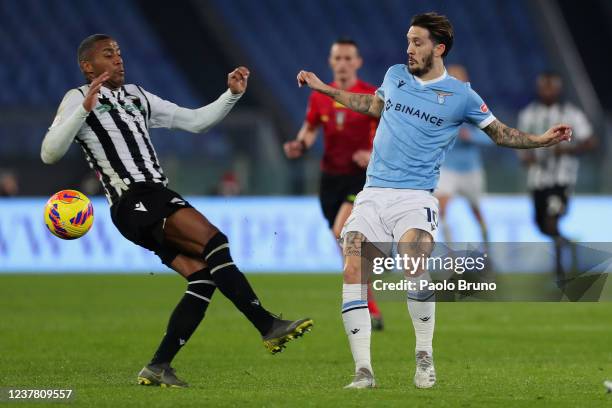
pixel 442 96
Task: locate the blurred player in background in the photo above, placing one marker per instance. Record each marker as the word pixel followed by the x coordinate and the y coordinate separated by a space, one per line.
pixel 552 172
pixel 462 172
pixel 9 184
pixel 421 109
pixel 110 121
pixel 347 138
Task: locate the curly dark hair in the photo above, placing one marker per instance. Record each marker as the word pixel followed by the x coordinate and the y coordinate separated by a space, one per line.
pixel 439 27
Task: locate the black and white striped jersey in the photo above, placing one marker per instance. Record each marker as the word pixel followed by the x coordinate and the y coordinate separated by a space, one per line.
pixel 115 135
pixel 550 169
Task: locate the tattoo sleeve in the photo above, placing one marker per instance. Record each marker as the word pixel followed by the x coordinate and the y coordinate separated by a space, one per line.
pixel 352 243
pixel 506 136
pixel 362 103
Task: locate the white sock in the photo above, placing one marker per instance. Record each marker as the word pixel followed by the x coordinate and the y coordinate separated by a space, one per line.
pixel 357 324
pixel 423 316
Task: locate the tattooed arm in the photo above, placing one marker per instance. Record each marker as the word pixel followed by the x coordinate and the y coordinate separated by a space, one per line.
pixel 506 136
pixel 363 103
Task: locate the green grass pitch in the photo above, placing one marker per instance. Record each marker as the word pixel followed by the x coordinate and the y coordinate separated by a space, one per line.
pixel 94 333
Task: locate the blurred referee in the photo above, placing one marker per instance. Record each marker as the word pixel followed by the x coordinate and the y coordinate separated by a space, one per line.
pixel 552 171
pixel 110 120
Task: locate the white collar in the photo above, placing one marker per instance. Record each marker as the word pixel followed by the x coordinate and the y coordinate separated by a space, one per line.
pixel 557 105
pixel 117 93
pixel 431 81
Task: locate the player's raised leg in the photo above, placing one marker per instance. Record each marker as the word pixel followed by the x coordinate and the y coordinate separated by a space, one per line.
pixel 355 314
pixel 184 320
pixel 192 234
pixel 418 243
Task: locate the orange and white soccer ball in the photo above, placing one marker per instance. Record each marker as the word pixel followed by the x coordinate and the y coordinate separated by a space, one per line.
pixel 69 214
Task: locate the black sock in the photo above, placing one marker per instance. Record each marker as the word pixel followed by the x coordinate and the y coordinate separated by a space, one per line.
pixel 233 284
pixel 186 317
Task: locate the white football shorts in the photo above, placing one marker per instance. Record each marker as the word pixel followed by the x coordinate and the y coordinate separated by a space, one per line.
pixel 385 214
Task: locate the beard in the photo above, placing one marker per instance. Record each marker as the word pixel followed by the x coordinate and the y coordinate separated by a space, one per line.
pixel 427 65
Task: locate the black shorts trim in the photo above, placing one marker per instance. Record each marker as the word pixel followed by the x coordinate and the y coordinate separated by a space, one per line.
pixel 140 214
pixel 336 189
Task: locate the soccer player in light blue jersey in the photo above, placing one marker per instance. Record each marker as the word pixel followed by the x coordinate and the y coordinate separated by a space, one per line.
pixel 421 109
pixel 462 172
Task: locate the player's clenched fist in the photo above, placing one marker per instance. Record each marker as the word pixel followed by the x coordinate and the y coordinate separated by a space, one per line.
pixel 554 135
pixel 94 87
pixel 310 79
pixel 294 149
pixel 237 80
pixel 362 158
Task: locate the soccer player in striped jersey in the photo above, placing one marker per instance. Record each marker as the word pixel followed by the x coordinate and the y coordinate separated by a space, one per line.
pixel 347 144
pixel 421 109
pixel 110 120
pixel 552 173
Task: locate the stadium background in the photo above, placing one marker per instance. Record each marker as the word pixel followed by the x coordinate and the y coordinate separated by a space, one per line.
pixel 183 54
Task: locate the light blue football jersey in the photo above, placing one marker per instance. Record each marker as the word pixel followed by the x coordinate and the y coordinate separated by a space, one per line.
pixel 419 124
pixel 465 155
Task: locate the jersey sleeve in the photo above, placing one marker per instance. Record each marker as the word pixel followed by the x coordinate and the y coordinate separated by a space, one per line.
pixel 160 111
pixel 476 111
pixel 68 121
pixel 69 104
pixel 313 116
pixel 582 128
pixel 380 91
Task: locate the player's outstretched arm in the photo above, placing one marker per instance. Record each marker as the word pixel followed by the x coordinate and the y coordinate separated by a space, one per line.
pixel 363 103
pixel 204 118
pixel 70 117
pixel 506 136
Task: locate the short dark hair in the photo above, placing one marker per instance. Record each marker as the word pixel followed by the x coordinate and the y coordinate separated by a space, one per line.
pixel 549 74
pixel 88 43
pixel 439 27
pixel 346 41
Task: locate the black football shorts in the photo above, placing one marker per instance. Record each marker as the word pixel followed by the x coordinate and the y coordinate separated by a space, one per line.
pixel 336 189
pixel 140 214
pixel 549 202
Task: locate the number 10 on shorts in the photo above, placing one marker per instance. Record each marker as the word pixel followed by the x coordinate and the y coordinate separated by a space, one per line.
pixel 432 217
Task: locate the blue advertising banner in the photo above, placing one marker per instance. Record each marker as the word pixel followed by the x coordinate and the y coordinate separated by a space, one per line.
pixel 267 234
